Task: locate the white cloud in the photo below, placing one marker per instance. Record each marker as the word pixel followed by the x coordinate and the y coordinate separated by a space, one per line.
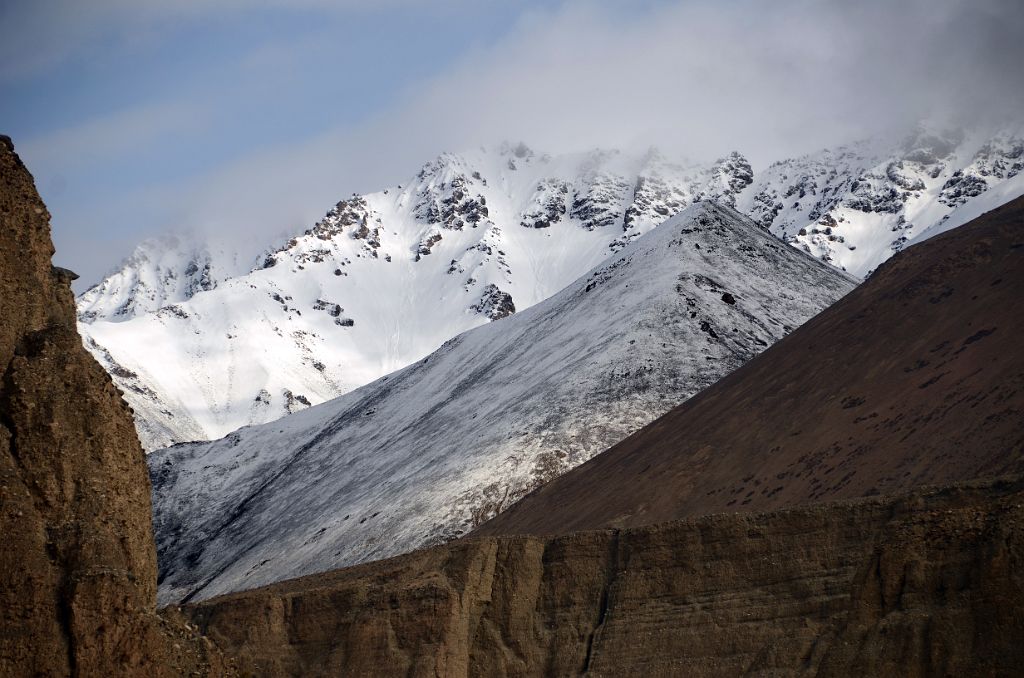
pixel 108 137
pixel 766 78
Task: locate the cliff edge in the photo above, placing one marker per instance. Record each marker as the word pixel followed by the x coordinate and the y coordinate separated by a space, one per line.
pixel 78 563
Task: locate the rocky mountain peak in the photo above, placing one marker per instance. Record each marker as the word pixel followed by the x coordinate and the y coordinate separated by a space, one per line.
pixel 468 234
pixel 161 271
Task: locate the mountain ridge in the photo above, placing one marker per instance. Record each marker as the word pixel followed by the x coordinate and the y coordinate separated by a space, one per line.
pixel 424 454
pixel 925 384
pixel 380 282
pixel 386 277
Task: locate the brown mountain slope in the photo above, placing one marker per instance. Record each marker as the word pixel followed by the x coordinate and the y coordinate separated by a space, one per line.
pixel 928 584
pixel 896 386
pixel 77 562
pixel 916 377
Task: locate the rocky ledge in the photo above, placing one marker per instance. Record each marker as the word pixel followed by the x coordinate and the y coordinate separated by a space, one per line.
pixel 928 583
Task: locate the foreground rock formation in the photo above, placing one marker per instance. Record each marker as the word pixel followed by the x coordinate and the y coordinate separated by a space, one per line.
pixel 916 377
pixel 78 564
pixel 926 584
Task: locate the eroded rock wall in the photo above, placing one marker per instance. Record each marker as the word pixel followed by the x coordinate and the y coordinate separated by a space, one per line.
pixel 77 561
pixel 929 583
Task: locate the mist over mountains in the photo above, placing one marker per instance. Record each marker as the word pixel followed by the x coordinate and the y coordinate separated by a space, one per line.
pixel 386 277
pixel 259 140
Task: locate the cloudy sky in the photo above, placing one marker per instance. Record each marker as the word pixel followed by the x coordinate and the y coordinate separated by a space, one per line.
pixel 250 118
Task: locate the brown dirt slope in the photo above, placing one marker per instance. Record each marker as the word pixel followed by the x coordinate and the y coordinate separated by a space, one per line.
pixel 77 563
pixel 928 584
pixel 916 377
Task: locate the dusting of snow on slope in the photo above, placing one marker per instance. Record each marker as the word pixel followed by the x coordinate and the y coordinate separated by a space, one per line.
pixel 857 205
pixel 421 456
pixel 379 282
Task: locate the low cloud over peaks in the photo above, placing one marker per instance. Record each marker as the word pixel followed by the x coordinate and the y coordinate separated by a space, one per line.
pixel 337 115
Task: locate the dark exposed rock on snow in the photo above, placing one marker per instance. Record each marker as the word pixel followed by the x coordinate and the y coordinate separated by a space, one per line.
pixel 494 303
pixel 425 251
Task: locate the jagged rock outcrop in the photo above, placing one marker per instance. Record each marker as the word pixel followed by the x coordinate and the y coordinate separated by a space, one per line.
pixel 857 205
pixel 920 585
pixel 78 564
pixel 408 261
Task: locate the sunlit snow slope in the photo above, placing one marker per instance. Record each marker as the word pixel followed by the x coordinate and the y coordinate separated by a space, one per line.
pixel 380 282
pixel 857 205
pixel 201 347
pixel 423 455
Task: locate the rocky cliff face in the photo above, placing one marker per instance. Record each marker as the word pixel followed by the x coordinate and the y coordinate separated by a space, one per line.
pixel 926 584
pixel 78 564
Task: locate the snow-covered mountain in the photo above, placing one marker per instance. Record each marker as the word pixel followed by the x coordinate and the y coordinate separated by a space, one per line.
pixel 423 455
pixel 855 206
pixel 160 272
pixel 202 346
pixel 379 282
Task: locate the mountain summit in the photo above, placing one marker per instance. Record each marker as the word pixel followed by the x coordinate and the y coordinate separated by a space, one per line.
pixel 384 278
pixel 379 282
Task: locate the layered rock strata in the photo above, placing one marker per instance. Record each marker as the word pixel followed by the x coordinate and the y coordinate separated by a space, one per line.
pixel 924 584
